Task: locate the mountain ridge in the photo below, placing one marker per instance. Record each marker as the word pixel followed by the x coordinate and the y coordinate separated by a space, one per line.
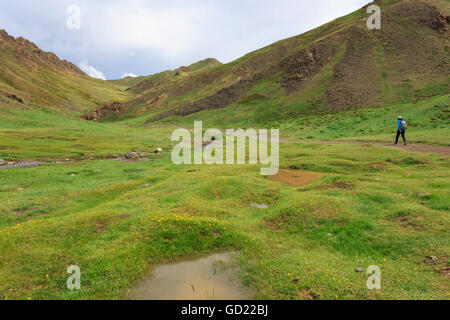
pixel 339 65
pixel 30 54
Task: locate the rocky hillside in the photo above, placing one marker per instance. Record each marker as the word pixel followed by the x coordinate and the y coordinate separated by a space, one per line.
pixel 32 76
pixel 337 66
pixel 28 54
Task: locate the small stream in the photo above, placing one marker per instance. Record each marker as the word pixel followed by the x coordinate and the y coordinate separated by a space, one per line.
pixel 22 165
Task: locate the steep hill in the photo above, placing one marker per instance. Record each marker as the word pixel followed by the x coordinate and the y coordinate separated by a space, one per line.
pixel 32 76
pixel 337 66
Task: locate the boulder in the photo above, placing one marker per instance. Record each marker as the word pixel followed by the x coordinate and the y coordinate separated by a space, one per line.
pixel 131 156
pixel 159 150
pixel 2 162
pixel 431 259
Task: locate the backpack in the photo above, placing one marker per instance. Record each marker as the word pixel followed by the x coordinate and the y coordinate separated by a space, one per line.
pixel 403 125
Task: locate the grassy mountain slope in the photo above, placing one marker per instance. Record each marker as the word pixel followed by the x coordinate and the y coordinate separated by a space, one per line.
pixel 340 65
pixel 41 78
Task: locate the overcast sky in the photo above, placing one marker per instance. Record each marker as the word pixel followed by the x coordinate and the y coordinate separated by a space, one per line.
pixel 140 37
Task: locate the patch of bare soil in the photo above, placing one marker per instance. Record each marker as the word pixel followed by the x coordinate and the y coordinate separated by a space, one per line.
pixel 439 264
pixel 11 96
pixel 300 66
pixel 157 102
pixel 306 295
pixel 416 223
pixel 221 98
pixel 104 111
pixel 341 185
pixel 100 228
pixel 297 178
pixel 445 271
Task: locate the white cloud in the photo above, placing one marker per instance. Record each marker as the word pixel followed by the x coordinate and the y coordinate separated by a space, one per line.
pixel 150 36
pixel 130 74
pixel 91 71
pixel 165 29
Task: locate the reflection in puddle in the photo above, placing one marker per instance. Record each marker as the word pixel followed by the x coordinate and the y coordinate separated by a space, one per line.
pixel 209 278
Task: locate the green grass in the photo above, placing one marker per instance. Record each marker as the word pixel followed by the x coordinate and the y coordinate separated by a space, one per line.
pixel 427 123
pixel 118 219
pixel 47 134
pixel 427 120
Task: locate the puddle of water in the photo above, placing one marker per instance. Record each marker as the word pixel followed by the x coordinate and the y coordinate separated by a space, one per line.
pixel 209 278
pixel 297 178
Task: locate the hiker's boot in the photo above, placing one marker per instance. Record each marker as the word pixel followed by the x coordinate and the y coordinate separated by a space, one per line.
pixel 406 143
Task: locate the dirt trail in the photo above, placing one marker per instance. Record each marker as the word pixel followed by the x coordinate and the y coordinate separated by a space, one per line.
pixel 418 148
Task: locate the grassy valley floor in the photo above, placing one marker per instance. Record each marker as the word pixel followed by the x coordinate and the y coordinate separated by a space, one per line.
pixel 371 205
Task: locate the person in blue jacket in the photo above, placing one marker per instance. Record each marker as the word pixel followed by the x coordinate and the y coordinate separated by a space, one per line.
pixel 401 130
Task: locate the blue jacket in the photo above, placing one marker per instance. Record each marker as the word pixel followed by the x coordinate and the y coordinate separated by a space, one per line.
pixel 400 125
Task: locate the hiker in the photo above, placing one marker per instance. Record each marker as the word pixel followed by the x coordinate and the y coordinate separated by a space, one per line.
pixel 401 130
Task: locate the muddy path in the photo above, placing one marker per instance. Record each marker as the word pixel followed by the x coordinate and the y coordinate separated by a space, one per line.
pixel 414 147
pixel 418 148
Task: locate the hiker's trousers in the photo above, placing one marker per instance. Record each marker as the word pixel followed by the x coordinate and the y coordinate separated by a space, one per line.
pixel 398 136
